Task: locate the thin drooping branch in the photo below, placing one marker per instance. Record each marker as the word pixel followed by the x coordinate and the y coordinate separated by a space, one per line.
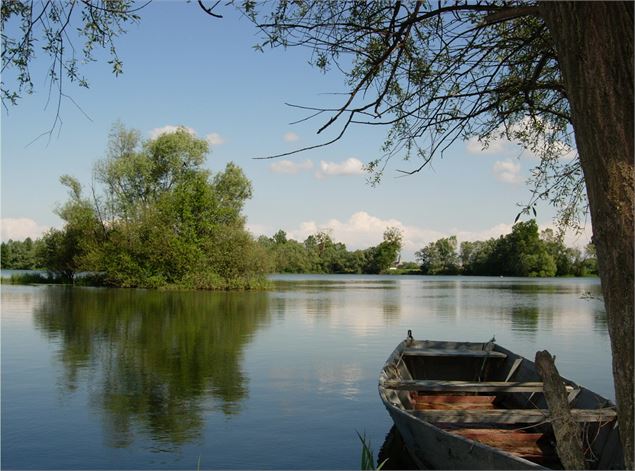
pixel 210 10
pixel 52 30
pixel 433 73
pixel 317 146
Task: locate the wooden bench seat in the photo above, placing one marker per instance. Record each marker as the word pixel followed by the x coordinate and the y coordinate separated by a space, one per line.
pixel 443 352
pixel 510 416
pixel 466 386
pixel 527 445
pixel 453 402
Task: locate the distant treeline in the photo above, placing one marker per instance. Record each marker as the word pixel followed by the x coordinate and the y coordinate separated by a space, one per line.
pixel 523 252
pixel 317 254
pixel 22 255
pixel 320 254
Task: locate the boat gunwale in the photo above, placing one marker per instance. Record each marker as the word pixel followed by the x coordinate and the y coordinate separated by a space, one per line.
pixel 397 356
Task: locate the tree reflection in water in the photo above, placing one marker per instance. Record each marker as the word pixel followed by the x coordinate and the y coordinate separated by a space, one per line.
pixel 154 361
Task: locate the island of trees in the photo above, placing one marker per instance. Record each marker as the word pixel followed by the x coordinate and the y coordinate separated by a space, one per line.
pixel 155 217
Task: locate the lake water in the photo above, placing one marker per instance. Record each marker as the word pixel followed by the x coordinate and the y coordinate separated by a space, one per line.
pixel 139 379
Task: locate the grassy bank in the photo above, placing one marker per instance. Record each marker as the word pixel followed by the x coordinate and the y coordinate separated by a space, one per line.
pixel 208 283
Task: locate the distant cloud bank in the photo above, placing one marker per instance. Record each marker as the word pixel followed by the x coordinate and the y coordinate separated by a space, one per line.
pixel 20 229
pixel 167 129
pixel 507 171
pixel 348 167
pixel 213 138
pixel 290 167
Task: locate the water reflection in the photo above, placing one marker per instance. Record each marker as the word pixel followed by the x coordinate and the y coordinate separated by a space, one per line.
pixel 322 283
pixel 160 360
pixel 525 319
pixel 232 377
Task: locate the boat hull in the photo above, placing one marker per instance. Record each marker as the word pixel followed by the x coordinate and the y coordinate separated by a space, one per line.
pixel 448 371
pixel 433 448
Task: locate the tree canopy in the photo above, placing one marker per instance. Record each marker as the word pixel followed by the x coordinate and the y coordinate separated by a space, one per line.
pixel 522 252
pixel 161 218
pixel 319 253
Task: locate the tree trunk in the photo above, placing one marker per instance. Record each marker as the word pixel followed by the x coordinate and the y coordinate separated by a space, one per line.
pixel 594 43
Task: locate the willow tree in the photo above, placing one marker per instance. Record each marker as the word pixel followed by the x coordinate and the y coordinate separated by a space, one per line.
pixel 553 76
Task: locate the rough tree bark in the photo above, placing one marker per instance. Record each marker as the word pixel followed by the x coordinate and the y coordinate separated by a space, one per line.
pixel 594 43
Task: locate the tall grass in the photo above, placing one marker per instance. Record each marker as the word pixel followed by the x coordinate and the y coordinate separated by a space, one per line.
pixel 31 278
pixel 85 279
pixel 368 460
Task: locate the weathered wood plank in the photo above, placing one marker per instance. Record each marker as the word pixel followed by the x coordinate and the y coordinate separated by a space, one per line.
pixel 446 402
pixel 499 436
pixel 452 406
pixel 465 386
pixel 445 398
pixel 442 352
pixel 519 443
pixel 510 416
pixel 565 428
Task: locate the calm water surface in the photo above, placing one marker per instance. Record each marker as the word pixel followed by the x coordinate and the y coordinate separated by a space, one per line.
pixel 134 379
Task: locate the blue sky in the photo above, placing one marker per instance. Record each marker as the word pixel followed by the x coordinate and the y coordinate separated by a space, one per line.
pixel 183 67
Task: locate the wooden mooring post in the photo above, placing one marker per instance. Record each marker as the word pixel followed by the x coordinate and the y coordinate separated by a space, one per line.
pixel 566 430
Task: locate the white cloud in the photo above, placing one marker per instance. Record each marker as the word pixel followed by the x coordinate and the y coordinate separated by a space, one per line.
pixel 503 147
pixel 257 230
pixel 573 238
pixel 290 167
pixel 363 230
pixel 20 229
pixel 484 234
pixel 495 146
pixel 562 150
pixel 169 128
pixel 290 137
pixel 507 171
pixel 350 166
pixel 214 139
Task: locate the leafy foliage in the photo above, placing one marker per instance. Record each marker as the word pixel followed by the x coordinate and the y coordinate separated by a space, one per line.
pixel 162 220
pixel 523 252
pixel 20 255
pixel 440 257
pixel 52 28
pixel 320 254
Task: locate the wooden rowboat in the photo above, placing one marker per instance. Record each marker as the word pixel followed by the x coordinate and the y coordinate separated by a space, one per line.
pixel 465 405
